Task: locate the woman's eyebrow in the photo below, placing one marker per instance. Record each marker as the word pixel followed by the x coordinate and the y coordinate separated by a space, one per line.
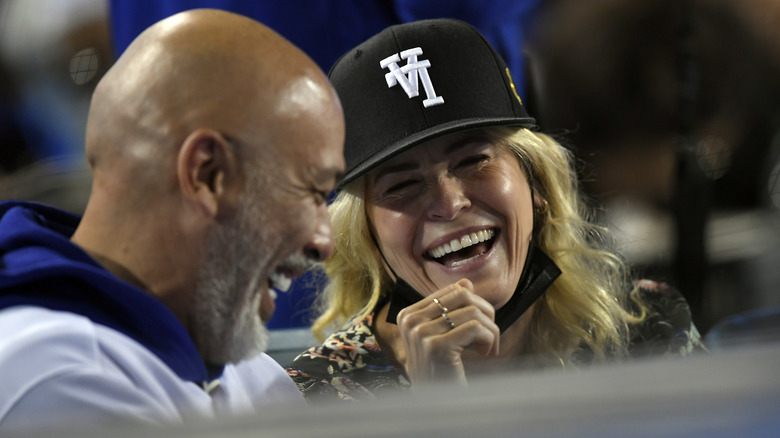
pixel 395 168
pixel 410 165
pixel 464 142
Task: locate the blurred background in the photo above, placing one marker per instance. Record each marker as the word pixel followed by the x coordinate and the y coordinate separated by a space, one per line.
pixel 672 108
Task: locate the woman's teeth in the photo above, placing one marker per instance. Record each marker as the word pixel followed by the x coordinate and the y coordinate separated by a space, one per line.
pixel 464 242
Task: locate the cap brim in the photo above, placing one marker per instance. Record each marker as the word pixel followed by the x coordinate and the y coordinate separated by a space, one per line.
pixel 407 143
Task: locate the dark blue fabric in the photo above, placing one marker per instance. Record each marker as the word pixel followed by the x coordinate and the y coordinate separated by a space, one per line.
pixel 327 29
pixel 39 266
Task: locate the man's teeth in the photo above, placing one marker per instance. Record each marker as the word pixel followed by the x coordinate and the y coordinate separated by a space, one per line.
pixel 280 282
pixel 464 242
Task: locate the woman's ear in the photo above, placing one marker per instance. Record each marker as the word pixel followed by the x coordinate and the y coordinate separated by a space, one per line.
pixel 541 206
pixel 206 165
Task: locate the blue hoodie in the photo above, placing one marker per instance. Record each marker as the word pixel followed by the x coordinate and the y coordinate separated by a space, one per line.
pixel 40 266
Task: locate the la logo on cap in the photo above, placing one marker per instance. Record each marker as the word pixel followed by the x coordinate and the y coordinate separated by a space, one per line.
pixel 410 74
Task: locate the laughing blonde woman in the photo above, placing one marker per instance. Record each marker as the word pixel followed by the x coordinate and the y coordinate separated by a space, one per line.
pixel 461 243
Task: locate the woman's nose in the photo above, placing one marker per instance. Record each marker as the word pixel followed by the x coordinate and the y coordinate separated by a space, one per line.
pixel 447 199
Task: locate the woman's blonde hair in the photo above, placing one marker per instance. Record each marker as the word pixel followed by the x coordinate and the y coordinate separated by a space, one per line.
pixel 587 303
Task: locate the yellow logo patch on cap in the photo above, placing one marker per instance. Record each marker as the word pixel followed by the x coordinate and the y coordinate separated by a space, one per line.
pixel 512 83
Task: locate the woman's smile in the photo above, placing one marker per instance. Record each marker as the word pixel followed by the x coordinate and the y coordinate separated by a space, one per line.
pixel 459 250
pixel 461 259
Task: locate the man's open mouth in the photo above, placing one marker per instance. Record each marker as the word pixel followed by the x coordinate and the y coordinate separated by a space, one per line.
pixel 290 268
pixel 280 281
pixel 467 248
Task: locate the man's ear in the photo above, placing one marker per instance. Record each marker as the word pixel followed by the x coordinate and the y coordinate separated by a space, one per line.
pixel 206 165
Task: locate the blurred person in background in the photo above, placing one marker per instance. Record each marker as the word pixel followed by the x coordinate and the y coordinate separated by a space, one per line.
pixel 462 245
pixel 672 107
pixel 214 143
pixel 52 62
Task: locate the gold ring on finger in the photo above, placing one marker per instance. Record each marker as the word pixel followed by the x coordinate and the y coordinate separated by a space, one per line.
pixel 441 306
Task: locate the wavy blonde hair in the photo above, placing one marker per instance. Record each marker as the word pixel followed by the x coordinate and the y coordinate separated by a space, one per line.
pixel 587 303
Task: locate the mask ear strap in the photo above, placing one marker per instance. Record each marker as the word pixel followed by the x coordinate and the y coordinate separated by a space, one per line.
pixel 538 274
pixel 402 295
pixel 381 254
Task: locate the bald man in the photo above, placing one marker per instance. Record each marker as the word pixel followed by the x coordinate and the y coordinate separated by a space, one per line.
pixel 214 144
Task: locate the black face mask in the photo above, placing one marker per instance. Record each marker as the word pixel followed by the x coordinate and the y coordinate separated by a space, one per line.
pixel 539 273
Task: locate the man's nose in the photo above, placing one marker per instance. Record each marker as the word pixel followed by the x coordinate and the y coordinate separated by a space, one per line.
pixel 320 246
pixel 447 198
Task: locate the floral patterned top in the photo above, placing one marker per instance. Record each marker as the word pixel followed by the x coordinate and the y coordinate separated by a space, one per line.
pixel 349 365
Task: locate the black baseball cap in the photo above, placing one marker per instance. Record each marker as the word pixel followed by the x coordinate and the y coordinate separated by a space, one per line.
pixel 419 80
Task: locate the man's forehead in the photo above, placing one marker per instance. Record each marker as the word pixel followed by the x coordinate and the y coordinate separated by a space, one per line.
pixel 328 166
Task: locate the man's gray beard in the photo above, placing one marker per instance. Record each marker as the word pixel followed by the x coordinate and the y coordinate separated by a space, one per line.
pixel 227 319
